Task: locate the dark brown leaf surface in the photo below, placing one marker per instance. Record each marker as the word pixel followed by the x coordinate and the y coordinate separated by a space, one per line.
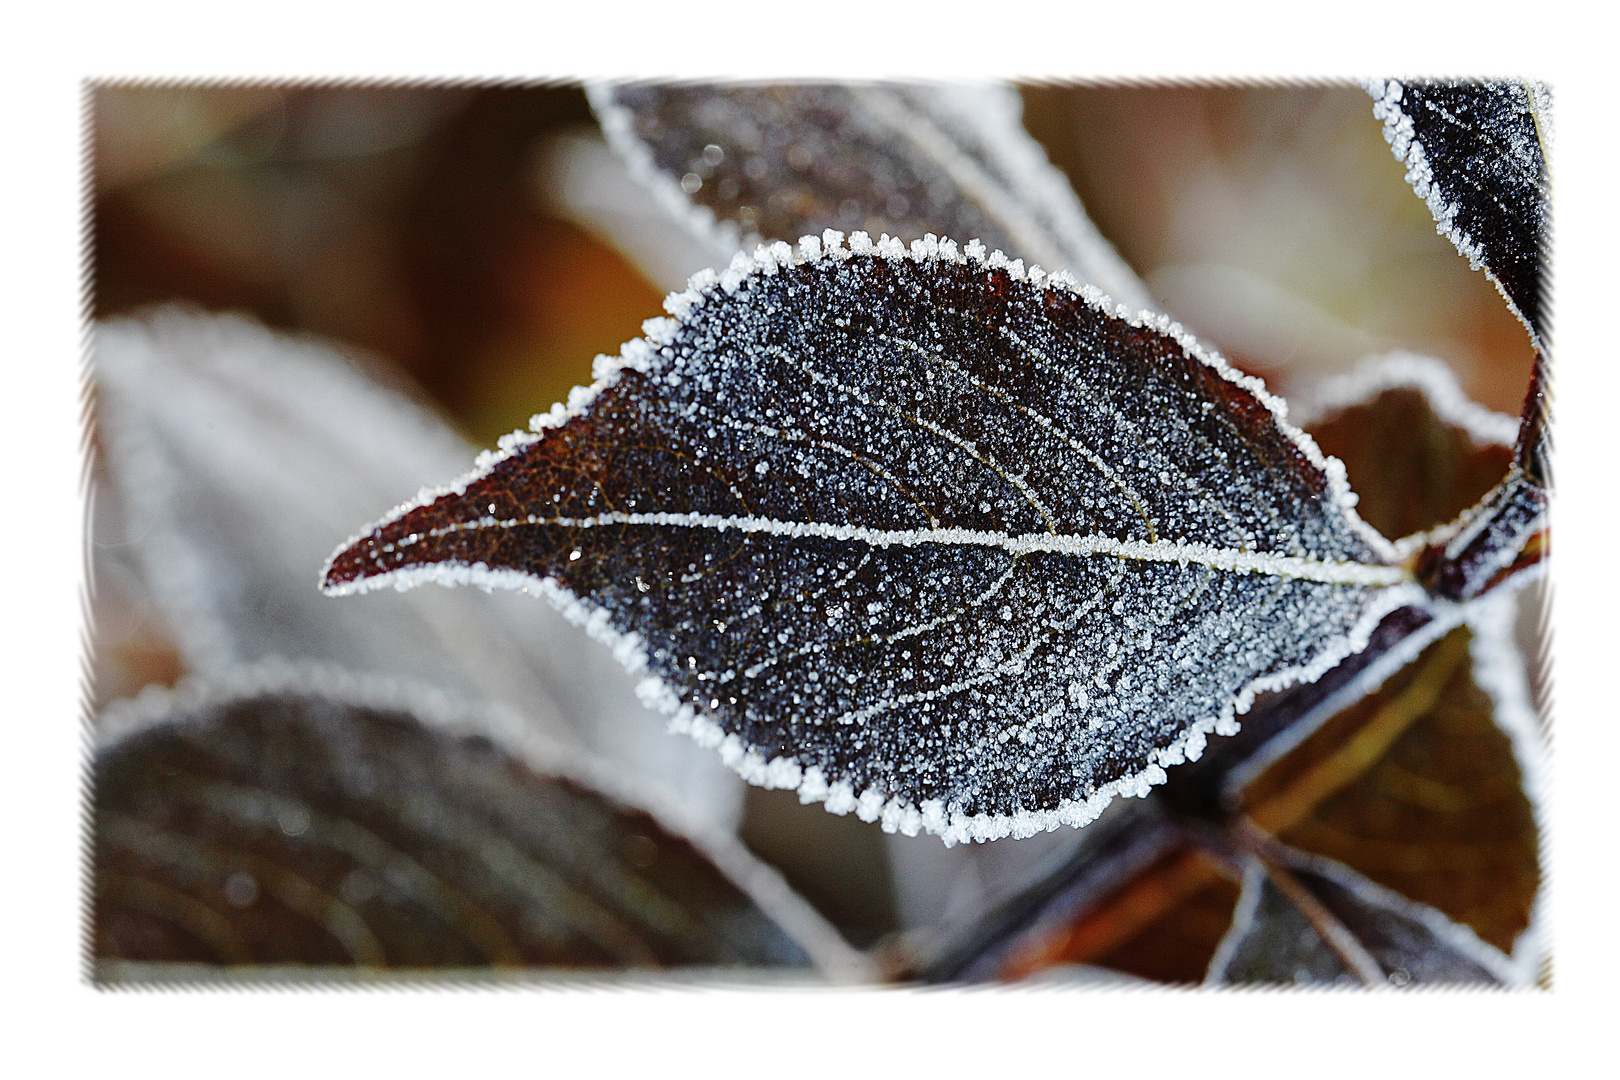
pixel 1381 936
pixel 289 827
pixel 921 536
pixel 1421 457
pixel 1476 153
pixel 1418 788
pixel 786 160
pixel 1411 460
pixel 1473 151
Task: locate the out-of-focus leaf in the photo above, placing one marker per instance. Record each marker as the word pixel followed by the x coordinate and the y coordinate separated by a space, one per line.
pixel 583 179
pixel 1417 787
pixel 1474 152
pixel 921 535
pixel 1417 452
pixel 237 454
pixel 131 641
pixel 303 816
pixel 782 161
pixel 142 130
pixel 1273 940
pixel 1025 928
pixel 1273 222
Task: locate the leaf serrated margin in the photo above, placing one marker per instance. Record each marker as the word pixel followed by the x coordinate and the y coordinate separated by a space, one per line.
pixel 893 814
pixel 1401 135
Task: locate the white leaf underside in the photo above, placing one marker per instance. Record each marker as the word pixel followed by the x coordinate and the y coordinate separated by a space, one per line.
pixel 936 613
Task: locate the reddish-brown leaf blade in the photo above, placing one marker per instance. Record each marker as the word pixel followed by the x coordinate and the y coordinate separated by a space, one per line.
pixel 285 818
pixel 922 537
pixel 1419 788
pixel 1422 458
pixel 1417 452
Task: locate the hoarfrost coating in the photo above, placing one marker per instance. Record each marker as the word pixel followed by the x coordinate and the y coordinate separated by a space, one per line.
pixel 752 163
pixel 1011 554
pixel 1474 153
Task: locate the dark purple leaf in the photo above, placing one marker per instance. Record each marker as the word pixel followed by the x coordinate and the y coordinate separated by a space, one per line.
pixel 1275 939
pixel 305 816
pixel 921 536
pixel 779 161
pixel 1474 153
pixel 1442 817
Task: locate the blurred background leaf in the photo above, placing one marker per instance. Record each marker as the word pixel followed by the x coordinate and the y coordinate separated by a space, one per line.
pixel 1355 934
pixel 237 459
pixel 1274 223
pixel 278 816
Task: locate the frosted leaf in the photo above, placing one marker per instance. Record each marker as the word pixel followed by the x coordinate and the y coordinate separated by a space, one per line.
pixel 1273 941
pixel 779 161
pixel 1439 817
pixel 1417 787
pixel 580 178
pixel 1362 388
pixel 1439 471
pixel 1418 453
pixel 1474 151
pixel 303 815
pixel 236 453
pixel 1500 670
pixel 981 490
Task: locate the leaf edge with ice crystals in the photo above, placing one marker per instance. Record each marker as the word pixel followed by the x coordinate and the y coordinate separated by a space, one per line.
pixel 896 812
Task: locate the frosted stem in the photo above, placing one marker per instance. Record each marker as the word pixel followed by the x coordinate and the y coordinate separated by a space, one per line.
pixel 1497 539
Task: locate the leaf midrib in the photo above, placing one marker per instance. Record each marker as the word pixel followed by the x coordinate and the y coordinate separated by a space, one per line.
pixel 1294 567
